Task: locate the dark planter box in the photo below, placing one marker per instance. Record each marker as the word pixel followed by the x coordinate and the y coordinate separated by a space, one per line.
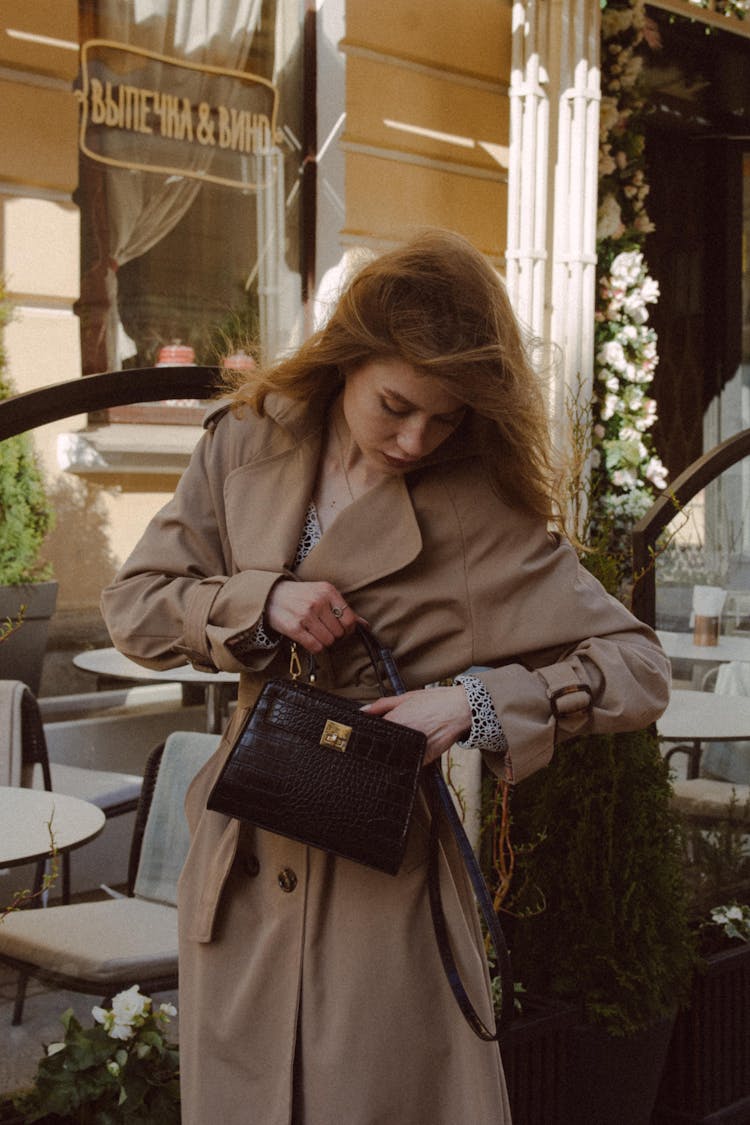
pixel 614 1079
pixel 9 1115
pixel 22 654
pixel 706 1077
pixel 534 1054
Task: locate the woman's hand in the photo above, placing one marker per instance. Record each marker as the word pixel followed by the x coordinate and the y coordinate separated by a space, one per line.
pixel 314 614
pixel 441 713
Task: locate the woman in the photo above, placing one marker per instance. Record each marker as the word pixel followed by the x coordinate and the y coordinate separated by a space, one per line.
pixel 394 471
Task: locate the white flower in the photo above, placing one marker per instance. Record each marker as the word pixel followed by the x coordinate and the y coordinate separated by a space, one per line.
pixel 612 354
pixel 634 306
pixel 606 161
pixel 609 113
pixel 101 1015
pixel 113 1068
pixel 611 405
pixel 167 1010
pixel 609 219
pixel 624 478
pixel 632 70
pixel 54 1049
pixel 121 1031
pixel 644 225
pixel 656 473
pixel 650 290
pixel 129 1006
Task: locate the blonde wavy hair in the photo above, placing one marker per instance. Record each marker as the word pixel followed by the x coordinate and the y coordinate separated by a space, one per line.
pixel 437 304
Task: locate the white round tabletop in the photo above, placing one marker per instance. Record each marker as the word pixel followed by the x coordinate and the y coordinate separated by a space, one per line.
pixel 705 716
pixel 30 819
pixel 679 646
pixel 110 662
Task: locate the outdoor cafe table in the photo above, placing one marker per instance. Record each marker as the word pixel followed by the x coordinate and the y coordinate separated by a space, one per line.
pixel 679 646
pixel 695 717
pixel 110 663
pixel 29 816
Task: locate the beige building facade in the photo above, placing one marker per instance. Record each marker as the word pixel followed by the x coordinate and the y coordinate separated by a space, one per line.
pixel 144 207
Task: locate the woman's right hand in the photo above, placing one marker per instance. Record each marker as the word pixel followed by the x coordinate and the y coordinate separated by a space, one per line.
pixel 314 614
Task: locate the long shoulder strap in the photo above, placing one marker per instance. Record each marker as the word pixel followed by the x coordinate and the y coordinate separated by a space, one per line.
pixel 441 802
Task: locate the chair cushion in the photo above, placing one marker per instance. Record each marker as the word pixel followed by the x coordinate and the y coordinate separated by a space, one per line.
pixel 715 800
pixel 110 940
pixel 103 788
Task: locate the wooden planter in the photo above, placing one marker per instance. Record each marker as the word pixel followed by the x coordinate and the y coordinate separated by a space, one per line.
pixel 534 1054
pixel 706 1077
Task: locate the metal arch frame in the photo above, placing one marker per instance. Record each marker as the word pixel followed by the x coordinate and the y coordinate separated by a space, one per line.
pixel 89 393
pixel 649 527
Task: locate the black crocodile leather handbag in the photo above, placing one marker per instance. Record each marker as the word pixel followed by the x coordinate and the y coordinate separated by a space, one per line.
pixel 315 767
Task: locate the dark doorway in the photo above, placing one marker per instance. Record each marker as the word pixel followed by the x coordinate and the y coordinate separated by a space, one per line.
pixel 697 146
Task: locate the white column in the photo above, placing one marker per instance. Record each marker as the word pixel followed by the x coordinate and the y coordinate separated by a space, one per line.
pixel 571 280
pixel 554 144
pixel 526 252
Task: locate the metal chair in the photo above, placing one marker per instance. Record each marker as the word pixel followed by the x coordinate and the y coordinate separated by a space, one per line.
pixel 105 946
pixel 24 761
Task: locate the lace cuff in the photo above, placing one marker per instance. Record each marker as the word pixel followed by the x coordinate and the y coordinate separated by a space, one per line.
pixel 254 639
pixel 486 729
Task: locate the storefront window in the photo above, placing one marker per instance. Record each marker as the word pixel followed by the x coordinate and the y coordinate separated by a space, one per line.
pixel 189 159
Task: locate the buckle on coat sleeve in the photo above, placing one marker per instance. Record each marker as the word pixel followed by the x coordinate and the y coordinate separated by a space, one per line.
pixel 571 700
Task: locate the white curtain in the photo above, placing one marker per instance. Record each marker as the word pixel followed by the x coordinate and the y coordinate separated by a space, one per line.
pixel 143 207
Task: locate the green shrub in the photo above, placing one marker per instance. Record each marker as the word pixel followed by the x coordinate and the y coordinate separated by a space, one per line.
pixel 600 846
pixel 25 512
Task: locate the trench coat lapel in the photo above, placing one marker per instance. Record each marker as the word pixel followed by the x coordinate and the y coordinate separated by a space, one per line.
pixel 266 502
pixel 373 537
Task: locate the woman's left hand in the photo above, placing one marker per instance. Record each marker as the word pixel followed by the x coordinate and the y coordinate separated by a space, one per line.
pixel 442 714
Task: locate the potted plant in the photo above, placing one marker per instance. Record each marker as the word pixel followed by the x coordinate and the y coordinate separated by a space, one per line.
pixel 599 917
pixel 27 594
pixel 121 1070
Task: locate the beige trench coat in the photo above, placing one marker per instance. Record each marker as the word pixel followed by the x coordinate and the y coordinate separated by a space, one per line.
pixel 310 987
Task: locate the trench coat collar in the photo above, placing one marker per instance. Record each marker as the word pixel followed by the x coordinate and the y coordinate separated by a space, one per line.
pixel 377 535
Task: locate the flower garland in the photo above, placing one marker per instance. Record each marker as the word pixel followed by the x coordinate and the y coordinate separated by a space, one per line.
pixel 626 470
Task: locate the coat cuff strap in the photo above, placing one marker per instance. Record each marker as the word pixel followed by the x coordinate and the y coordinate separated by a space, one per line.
pixel 195 642
pixel 566 694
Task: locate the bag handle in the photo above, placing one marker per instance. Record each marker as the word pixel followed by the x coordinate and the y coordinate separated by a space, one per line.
pixel 376 652
pixel 440 799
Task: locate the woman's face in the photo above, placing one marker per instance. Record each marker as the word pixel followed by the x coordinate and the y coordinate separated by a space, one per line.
pixel 397 416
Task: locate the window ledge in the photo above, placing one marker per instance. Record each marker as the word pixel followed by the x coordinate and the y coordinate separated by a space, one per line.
pixel 126 448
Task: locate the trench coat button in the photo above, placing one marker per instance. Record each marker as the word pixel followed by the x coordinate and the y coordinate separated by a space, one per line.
pixel 251 866
pixel 287 880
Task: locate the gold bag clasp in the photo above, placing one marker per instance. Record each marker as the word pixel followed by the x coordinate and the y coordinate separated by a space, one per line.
pixel 336 735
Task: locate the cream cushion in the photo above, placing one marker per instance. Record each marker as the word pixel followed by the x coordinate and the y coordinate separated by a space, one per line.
pixel 112 940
